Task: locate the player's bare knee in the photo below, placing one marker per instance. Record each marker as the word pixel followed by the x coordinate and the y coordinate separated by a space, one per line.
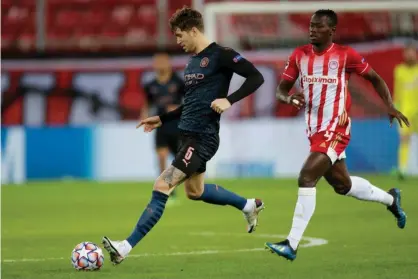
pixel 341 189
pixel 306 180
pixel 193 190
pixel 170 178
pixel 194 186
pixel 161 186
pixel 193 194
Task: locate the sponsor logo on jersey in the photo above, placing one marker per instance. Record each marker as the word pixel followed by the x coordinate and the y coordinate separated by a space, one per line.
pixel 194 76
pixel 190 79
pixel 319 79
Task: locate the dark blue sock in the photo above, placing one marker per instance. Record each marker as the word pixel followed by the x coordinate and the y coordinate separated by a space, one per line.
pixel 215 194
pixel 149 217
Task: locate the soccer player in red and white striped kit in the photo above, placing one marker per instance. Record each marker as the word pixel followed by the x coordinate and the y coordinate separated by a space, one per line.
pixel 323 69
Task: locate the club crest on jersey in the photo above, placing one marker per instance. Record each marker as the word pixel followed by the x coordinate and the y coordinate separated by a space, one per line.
pixel 333 64
pixel 204 62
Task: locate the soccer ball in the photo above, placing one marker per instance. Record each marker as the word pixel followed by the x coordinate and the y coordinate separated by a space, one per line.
pixel 87 256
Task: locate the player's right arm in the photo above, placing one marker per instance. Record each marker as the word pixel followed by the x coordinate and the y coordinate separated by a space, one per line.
pixel 179 96
pixel 173 114
pixel 154 122
pixel 289 77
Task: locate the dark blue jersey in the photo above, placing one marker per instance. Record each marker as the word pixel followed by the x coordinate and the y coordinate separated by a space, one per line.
pixel 207 77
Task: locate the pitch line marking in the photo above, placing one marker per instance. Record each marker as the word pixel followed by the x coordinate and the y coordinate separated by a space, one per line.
pixel 311 242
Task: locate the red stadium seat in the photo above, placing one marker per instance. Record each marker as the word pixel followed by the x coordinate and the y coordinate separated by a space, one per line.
pixel 133 20
pixel 102 22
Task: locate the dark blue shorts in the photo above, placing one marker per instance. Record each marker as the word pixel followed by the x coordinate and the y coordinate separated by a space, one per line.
pixel 196 149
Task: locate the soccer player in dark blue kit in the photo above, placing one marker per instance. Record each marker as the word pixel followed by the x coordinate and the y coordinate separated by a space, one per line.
pixel 165 93
pixel 207 77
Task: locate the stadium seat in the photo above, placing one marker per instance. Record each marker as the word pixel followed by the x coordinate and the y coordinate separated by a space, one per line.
pixel 91 18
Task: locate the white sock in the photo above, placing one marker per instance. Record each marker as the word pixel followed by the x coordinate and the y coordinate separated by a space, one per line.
pixel 126 248
pixel 363 190
pixel 305 207
pixel 249 206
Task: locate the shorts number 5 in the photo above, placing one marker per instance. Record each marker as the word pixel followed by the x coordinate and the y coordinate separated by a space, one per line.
pixel 189 153
pixel 188 156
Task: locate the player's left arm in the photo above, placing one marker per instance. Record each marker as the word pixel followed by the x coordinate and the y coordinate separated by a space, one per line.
pixel 382 89
pixel 356 63
pixel 253 79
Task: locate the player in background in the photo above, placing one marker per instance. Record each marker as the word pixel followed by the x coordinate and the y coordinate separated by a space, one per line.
pixel 207 75
pixel 165 93
pixel 406 100
pixel 323 69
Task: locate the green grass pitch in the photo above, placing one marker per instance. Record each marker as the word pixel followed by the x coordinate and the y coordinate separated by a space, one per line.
pixel 42 222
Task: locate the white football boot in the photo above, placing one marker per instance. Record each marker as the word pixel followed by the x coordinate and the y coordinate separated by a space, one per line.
pixel 251 215
pixel 118 250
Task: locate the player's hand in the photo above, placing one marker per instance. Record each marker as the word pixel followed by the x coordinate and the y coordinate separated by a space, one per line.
pixel 394 113
pixel 171 107
pixel 150 123
pixel 297 100
pixel 220 105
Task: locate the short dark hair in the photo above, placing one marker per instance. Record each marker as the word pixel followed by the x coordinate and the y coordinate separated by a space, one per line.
pixel 330 14
pixel 185 19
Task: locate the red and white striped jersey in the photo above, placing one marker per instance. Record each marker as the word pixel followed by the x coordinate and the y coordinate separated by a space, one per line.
pixel 323 77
